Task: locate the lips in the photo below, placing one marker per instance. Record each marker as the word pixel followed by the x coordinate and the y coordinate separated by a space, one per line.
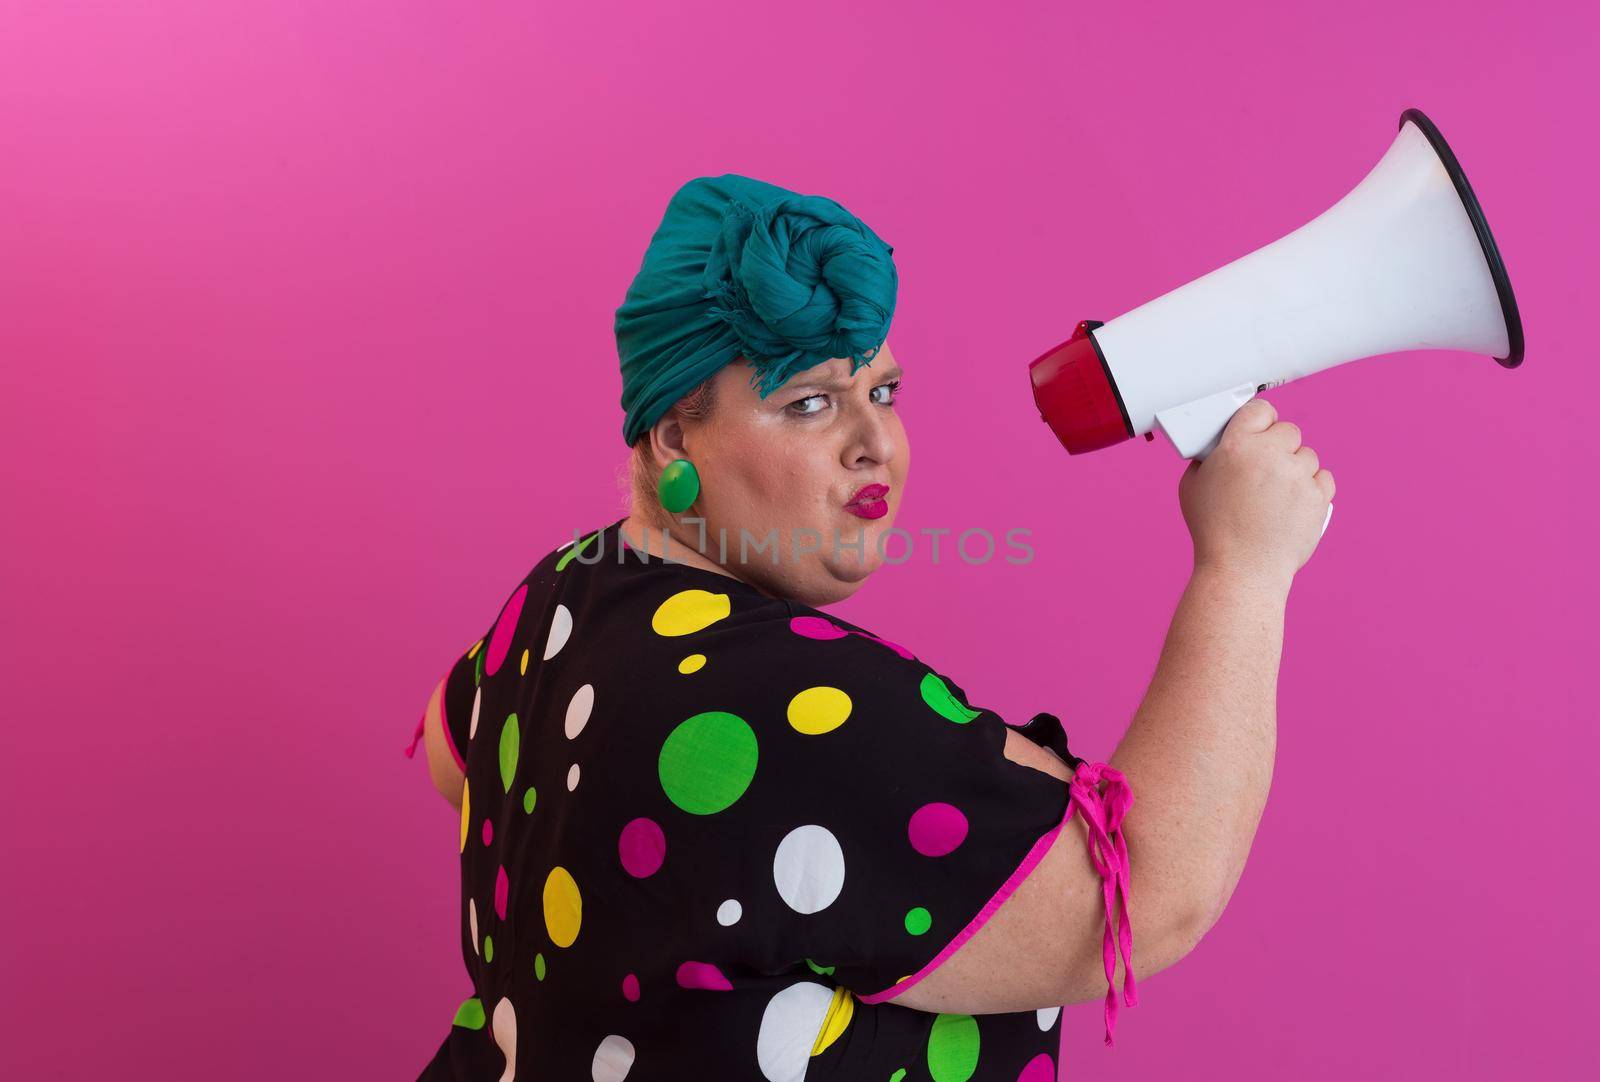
pixel 867 494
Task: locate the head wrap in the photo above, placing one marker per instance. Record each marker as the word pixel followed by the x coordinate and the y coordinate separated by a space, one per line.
pixel 739 267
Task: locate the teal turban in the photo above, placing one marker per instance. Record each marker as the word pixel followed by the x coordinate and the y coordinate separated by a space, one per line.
pixel 739 267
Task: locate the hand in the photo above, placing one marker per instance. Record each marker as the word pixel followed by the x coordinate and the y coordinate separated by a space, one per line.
pixel 1256 504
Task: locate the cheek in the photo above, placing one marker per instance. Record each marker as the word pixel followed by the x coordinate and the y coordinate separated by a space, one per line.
pixel 767 479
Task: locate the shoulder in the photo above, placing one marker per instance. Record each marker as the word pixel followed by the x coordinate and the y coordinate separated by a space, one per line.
pixel 806 641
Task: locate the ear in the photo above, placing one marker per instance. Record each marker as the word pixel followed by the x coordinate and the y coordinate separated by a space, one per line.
pixel 667 441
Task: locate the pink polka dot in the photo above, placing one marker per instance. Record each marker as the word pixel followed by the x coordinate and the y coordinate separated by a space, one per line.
pixel 815 627
pixel 1040 1068
pixel 702 975
pixel 896 647
pixel 502 892
pixel 488 832
pixel 630 988
pixel 937 829
pixel 504 629
pixel 642 847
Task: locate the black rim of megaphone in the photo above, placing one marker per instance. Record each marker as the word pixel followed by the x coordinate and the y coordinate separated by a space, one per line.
pixel 1491 251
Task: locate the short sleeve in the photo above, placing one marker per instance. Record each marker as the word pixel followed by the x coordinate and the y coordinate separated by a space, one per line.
pixel 884 824
pixel 456 705
pixel 462 699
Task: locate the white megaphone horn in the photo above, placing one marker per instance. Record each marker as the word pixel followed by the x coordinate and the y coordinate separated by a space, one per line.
pixel 1404 261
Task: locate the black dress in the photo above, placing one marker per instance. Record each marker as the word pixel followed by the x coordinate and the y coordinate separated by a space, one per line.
pixel 707 834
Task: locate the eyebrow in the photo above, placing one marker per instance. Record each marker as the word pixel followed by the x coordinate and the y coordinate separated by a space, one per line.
pixel 838 385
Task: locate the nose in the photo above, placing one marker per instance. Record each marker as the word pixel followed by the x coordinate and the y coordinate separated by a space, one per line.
pixel 872 437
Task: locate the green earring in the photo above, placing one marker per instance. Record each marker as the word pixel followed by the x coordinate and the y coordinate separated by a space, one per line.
pixel 679 485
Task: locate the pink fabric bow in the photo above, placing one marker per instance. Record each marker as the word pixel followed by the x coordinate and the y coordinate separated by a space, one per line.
pixel 1103 814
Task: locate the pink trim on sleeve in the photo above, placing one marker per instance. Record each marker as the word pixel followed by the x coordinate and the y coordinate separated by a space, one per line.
pixel 444 723
pixel 1013 881
pixel 1103 814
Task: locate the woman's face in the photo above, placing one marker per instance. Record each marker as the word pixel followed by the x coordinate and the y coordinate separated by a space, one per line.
pixel 790 463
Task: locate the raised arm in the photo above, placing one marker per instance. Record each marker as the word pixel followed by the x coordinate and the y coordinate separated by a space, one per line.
pixel 1197 755
pixel 1199 752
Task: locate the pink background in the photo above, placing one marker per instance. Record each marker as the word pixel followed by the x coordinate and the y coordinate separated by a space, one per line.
pixel 306 355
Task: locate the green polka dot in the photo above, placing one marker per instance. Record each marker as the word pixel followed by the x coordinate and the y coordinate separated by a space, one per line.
pixel 953 1048
pixel 488 948
pixel 576 550
pixel 898 1075
pixel 937 694
pixel 477 675
pixel 470 1013
pixel 528 798
pixel 819 970
pixel 918 920
pixel 708 761
pixel 538 966
pixel 510 744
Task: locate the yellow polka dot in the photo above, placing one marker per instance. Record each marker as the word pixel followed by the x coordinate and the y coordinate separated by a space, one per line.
pixel 466 814
pixel 688 611
pixel 475 648
pixel 524 663
pixel 836 1021
pixel 692 663
pixel 563 907
pixel 819 710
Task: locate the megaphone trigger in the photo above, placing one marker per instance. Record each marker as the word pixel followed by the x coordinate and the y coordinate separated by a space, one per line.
pixel 1195 427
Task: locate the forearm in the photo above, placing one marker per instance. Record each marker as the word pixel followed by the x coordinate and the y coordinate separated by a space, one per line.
pixel 1198 754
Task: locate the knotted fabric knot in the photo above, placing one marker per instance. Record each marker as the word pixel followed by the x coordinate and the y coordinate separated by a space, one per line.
pixel 800 281
pixel 1103 813
pixel 411 748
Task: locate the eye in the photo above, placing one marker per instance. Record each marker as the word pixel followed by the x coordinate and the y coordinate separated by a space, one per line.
pixel 798 405
pixel 801 402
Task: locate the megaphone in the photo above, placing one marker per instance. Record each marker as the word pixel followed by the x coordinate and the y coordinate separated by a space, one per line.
pixel 1404 261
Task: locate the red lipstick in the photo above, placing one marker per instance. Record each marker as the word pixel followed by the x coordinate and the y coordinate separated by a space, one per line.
pixel 869 501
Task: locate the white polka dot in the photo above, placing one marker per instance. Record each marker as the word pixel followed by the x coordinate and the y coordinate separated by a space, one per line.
pixel 789 1027
pixel 578 710
pixel 612 1060
pixel 560 630
pixel 808 868
pixel 505 1035
pixel 572 778
pixel 477 704
pixel 729 912
pixel 568 545
pixel 472 922
pixel 1048 1016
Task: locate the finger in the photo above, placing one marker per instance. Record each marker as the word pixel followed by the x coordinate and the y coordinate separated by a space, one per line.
pixel 1325 479
pixel 1309 457
pixel 1255 415
pixel 1287 435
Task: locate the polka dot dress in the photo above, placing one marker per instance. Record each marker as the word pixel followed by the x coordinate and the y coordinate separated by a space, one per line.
pixel 708 834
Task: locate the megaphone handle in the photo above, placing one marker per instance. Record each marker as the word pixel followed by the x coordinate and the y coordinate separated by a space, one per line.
pixel 1197 426
pixel 1200 455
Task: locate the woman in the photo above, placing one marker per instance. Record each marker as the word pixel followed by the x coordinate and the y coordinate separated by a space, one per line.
pixel 710 832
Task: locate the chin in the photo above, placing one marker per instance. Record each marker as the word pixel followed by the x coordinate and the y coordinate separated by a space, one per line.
pixel 831 594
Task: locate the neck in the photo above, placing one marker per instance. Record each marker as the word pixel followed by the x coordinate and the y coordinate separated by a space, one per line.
pixel 669 540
